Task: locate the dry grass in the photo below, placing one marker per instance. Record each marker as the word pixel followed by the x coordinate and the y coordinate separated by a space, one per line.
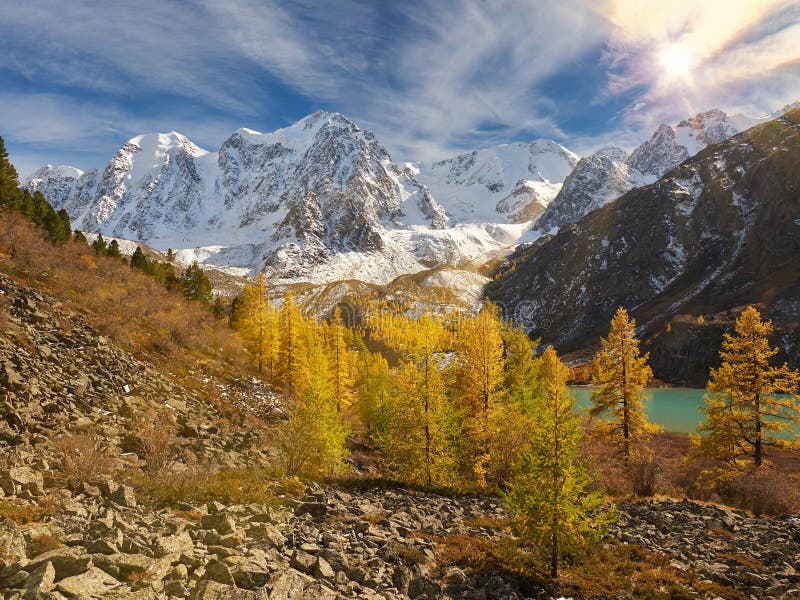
pixel 84 458
pixel 493 523
pixel 22 514
pixel 376 518
pixel 134 309
pixel 41 544
pixel 195 485
pixel 158 438
pixel 607 570
pixel 188 515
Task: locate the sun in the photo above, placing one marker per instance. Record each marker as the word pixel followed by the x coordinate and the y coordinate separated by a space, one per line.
pixel 676 60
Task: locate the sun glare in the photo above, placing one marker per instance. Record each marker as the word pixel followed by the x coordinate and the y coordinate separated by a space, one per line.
pixel 676 60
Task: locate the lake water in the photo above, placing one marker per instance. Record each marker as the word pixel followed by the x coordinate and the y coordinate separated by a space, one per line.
pixel 675 409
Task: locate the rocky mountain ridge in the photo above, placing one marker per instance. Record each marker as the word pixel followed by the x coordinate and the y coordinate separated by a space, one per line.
pixel 717 232
pixel 321 200
pixel 607 174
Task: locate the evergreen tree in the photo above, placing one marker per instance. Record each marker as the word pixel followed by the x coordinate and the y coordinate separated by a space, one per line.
pixel 170 256
pixel 9 183
pixel 313 435
pixel 99 245
pixel 196 285
pixel 139 260
pixel 293 367
pixel 621 374
pixel 78 237
pixel 113 250
pixel 748 402
pixel 551 493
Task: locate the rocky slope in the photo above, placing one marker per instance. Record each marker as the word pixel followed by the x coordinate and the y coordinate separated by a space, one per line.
pixel 97 540
pixel 719 231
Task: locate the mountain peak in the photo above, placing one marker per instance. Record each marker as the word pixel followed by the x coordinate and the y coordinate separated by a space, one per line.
pixel 61 171
pixel 161 143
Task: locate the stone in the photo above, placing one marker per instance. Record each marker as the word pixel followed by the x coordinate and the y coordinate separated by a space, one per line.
pixel 124 496
pixel 175 589
pixel 218 571
pixel 41 580
pixel 323 570
pixel 221 523
pixel 133 566
pixel 315 509
pixel 100 547
pixel 92 583
pixel 289 585
pixel 212 590
pixel 423 585
pixel 303 561
pixel 67 562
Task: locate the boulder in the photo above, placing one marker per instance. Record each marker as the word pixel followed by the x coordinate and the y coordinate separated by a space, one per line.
pixel 212 590
pixel 219 522
pixel 40 581
pixel 94 583
pixel 67 562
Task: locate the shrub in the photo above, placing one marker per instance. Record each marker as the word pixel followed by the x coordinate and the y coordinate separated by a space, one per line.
pixel 764 491
pixel 41 544
pixel 158 440
pixel 85 458
pixel 645 472
pixel 24 513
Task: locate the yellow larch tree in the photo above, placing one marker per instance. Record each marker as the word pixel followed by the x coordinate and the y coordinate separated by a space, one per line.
pixel 749 402
pixel 551 494
pixel 479 377
pixel 621 373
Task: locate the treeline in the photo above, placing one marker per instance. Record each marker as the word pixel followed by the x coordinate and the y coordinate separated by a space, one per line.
pixel 34 206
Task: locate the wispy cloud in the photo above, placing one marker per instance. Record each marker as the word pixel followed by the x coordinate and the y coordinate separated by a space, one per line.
pixel 430 77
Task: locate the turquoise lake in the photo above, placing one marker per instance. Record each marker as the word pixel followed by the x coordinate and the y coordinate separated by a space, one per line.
pixel 675 409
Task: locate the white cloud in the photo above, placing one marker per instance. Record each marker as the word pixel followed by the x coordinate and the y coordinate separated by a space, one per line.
pixel 430 78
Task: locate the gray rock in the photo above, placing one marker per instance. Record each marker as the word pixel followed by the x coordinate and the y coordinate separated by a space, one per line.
pixel 67 562
pixel 221 523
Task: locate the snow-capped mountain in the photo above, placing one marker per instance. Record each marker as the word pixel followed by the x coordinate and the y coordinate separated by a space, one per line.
pixel 322 200
pixel 511 183
pixel 609 173
pixel 65 187
pixel 319 200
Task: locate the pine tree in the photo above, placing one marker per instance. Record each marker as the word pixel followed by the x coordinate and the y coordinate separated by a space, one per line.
pixel 139 260
pixel 9 182
pixel 170 256
pixel 293 368
pixel 113 250
pixel 372 391
pixel 550 494
pixel 479 355
pixel 78 237
pixel 621 374
pixel 748 401
pixel 312 437
pixel 196 285
pixel 99 245
pixel 340 362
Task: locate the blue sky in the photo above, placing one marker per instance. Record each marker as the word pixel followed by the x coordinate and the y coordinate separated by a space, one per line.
pixel 430 78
